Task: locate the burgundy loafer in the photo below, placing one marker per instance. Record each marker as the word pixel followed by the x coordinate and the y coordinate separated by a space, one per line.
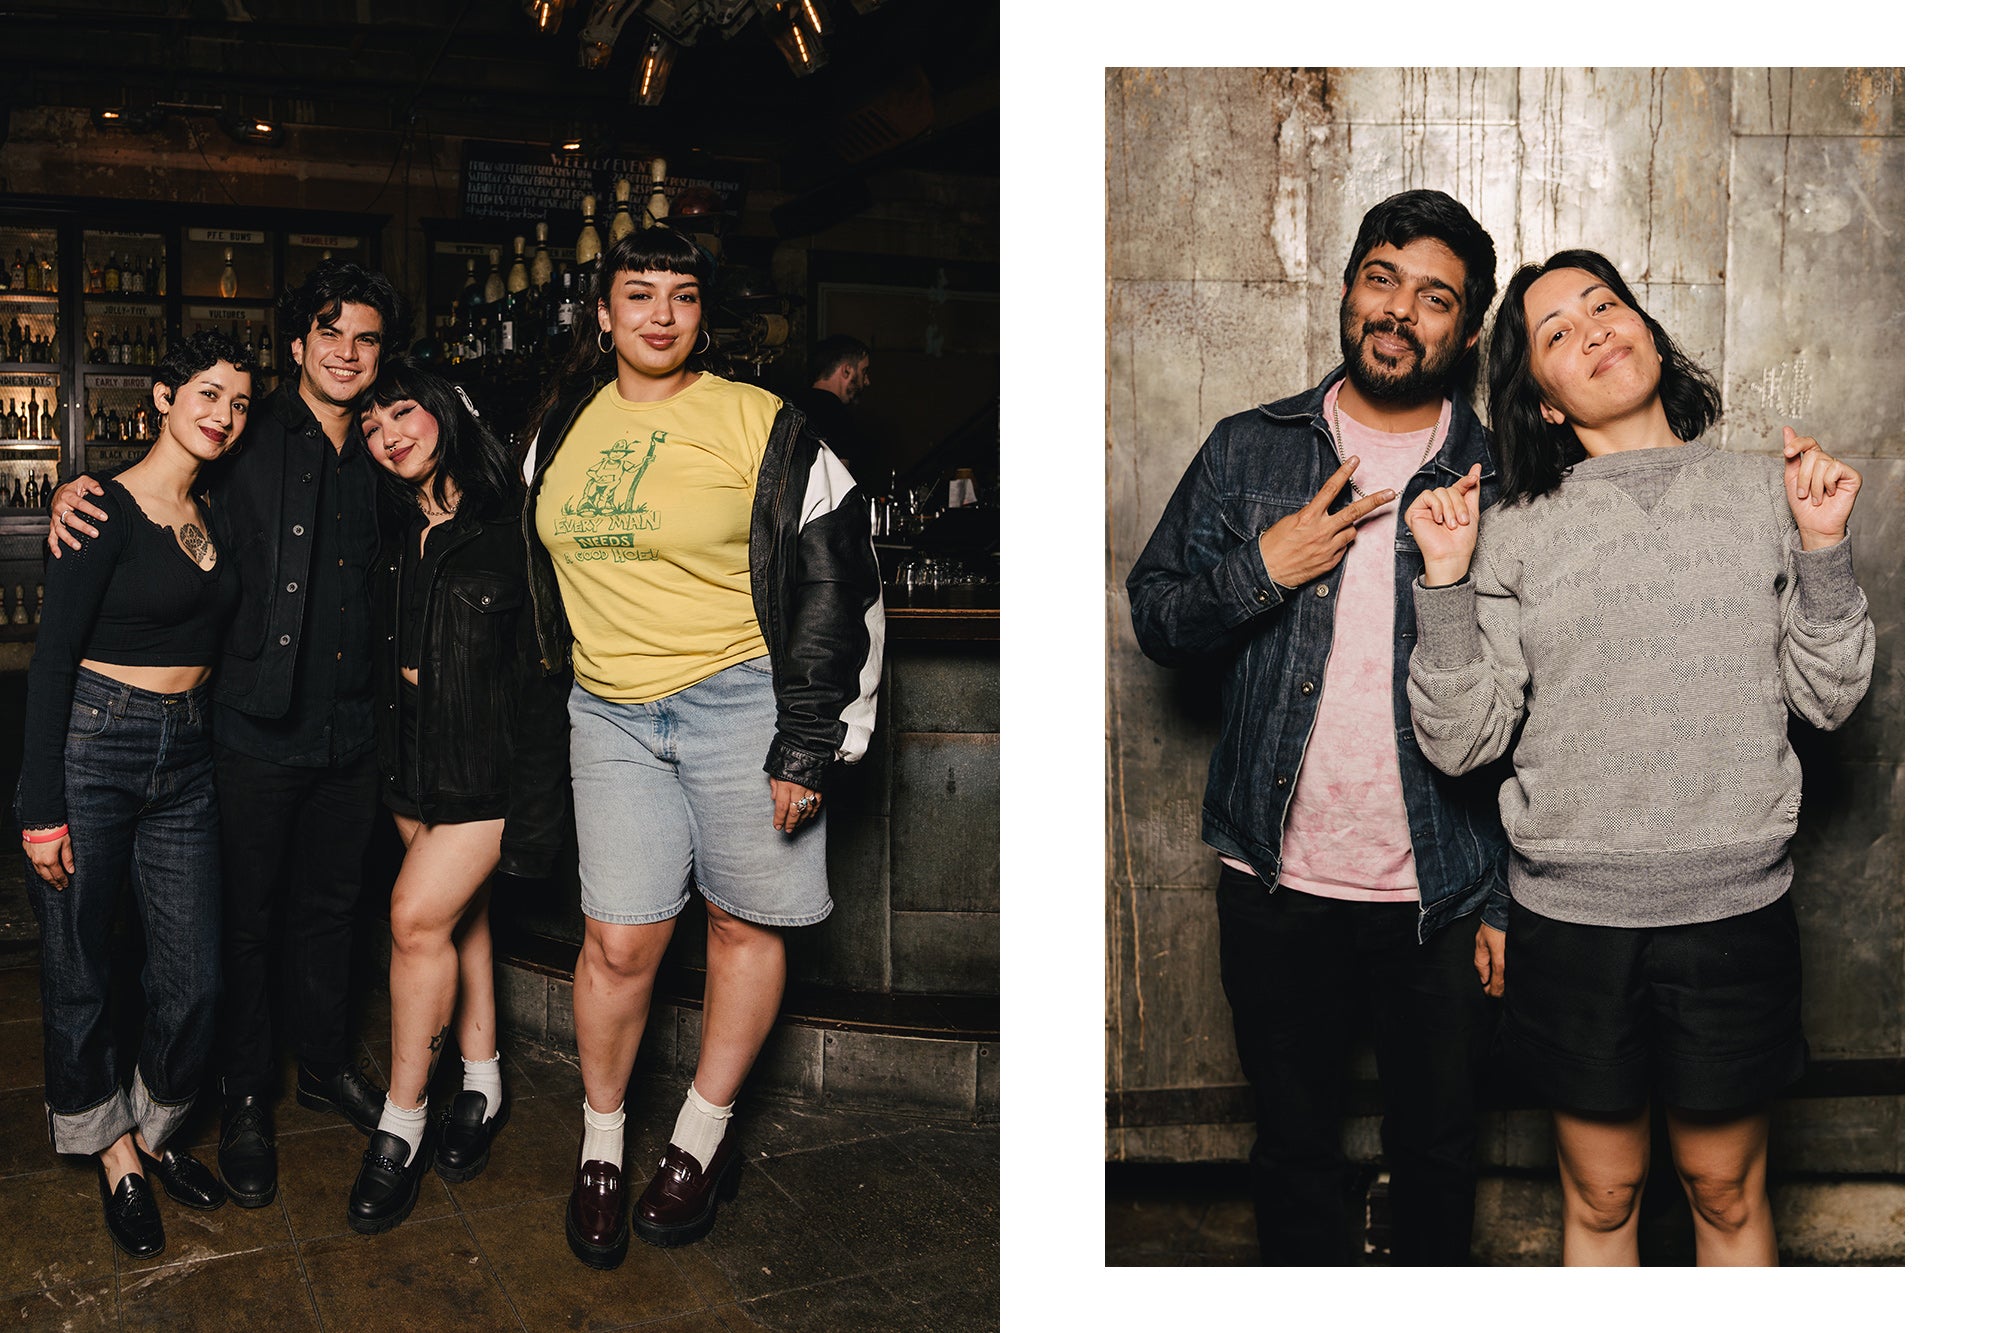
pixel 595 1218
pixel 679 1206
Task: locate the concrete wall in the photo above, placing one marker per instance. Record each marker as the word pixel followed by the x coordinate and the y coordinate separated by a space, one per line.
pixel 1759 214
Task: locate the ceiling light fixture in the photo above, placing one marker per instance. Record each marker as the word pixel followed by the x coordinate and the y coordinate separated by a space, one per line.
pixel 796 26
pixel 547 14
pixel 656 61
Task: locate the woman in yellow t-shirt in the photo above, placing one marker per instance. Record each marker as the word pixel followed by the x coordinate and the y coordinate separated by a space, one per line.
pixel 701 562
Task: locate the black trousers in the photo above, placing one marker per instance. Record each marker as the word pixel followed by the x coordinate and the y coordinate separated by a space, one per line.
pixel 1302 974
pixel 293 840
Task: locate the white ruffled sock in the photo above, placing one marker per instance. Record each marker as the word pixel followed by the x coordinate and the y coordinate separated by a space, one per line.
pixel 603 1135
pixel 484 1076
pixel 698 1132
pixel 405 1125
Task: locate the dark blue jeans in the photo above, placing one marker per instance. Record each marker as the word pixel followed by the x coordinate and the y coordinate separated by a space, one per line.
pixel 141 793
pixel 1305 976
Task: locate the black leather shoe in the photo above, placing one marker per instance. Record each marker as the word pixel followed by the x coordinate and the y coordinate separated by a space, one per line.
pixel 248 1156
pixel 386 1189
pixel 186 1181
pixel 349 1092
pixel 467 1135
pixel 131 1216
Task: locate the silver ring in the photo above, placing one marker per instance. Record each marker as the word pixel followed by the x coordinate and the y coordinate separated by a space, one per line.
pixel 804 803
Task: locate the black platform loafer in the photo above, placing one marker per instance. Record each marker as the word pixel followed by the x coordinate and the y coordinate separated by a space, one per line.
pixel 466 1136
pixel 348 1092
pixel 131 1216
pixel 386 1189
pixel 186 1181
pixel 248 1156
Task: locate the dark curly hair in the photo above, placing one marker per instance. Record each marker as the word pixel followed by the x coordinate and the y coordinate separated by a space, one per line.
pixel 321 296
pixel 1533 454
pixel 468 452
pixel 184 358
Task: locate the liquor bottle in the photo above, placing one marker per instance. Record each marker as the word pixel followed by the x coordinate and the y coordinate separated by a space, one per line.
pixel 19 272
pixel 48 274
pixel 32 272
pixel 48 498
pixel 656 203
pixel 97 356
pixel 565 306
pixel 34 417
pixel 588 244
pixel 110 279
pixel 621 222
pixel 496 286
pixel 264 354
pixel 19 501
pixel 542 270
pixel 229 271
pixel 153 343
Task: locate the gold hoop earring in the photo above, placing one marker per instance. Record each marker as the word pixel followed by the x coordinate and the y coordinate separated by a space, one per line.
pixel 604 340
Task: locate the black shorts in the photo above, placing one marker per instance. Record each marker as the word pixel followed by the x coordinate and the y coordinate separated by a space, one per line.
pixel 1601 1018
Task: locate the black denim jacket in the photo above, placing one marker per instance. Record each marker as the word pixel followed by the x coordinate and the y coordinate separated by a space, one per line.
pixel 1200 590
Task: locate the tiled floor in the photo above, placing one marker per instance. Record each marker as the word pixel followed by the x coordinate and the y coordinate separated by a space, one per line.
pixel 1191 1216
pixel 845 1220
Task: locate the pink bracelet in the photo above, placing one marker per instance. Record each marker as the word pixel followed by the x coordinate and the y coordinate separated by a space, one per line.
pixel 53 835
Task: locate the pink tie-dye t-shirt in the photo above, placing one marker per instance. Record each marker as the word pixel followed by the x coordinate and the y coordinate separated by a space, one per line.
pixel 1347 834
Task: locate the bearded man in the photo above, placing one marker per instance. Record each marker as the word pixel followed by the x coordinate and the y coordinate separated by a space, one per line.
pixel 1360 887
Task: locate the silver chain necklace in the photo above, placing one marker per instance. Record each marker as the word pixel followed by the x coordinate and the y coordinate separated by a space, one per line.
pixel 1340 449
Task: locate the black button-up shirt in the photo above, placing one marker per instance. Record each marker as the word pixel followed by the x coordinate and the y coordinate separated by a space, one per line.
pixel 331 719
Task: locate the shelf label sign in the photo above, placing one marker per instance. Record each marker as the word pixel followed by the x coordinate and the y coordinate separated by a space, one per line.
pixel 314 241
pixel 115 379
pixel 468 249
pixel 128 310
pixel 28 380
pixel 94 234
pixel 97 457
pixel 225 236
pixel 223 314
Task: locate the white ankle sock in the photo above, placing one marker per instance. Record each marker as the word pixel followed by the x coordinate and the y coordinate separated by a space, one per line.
pixel 405 1125
pixel 698 1132
pixel 484 1076
pixel 603 1135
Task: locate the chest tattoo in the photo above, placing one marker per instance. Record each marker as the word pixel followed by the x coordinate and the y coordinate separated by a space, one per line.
pixel 196 543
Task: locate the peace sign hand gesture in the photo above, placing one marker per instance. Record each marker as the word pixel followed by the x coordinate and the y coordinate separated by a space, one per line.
pixel 1821 490
pixel 1311 541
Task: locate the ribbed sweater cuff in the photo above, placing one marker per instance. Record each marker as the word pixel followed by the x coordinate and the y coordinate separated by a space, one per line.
pixel 1447 625
pixel 1828 593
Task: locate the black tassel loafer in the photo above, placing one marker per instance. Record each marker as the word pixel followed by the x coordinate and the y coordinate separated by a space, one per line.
pixel 131 1216
pixel 466 1136
pixel 186 1181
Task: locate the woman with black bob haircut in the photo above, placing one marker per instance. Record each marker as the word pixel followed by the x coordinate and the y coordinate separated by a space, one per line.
pixel 470 737
pixel 117 784
pixel 1635 619
pixel 702 562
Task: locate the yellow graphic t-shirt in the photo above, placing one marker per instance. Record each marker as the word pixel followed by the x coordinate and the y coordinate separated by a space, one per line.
pixel 646 510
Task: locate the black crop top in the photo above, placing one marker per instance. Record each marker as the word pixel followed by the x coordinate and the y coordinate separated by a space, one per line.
pixel 132 597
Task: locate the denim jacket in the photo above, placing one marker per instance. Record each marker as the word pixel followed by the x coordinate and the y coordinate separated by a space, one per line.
pixel 1200 591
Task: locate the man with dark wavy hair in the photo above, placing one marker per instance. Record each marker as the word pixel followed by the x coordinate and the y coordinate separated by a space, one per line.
pixel 295 766
pixel 1360 888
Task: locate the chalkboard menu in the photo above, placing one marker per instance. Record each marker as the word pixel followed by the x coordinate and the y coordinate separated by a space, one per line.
pixel 522 183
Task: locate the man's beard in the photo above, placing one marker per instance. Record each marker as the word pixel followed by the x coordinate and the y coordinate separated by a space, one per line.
pixel 1427 376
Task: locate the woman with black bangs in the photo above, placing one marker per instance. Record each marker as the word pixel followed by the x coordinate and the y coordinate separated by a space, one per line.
pixel 703 562
pixel 1643 609
pixel 470 737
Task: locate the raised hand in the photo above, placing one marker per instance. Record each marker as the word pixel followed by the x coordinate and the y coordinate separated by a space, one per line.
pixel 1445 524
pixel 1821 490
pixel 1310 542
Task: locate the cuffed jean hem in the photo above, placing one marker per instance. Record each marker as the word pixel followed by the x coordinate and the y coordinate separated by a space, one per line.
pixel 90 1132
pixel 635 918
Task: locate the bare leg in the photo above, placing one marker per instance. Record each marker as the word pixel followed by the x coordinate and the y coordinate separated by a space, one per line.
pixel 1603 1163
pixel 746 980
pixel 121 1159
pixel 473 1021
pixel 613 994
pixel 443 869
pixel 1721 1165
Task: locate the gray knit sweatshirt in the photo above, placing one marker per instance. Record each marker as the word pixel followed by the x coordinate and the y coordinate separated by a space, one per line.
pixel 1651 620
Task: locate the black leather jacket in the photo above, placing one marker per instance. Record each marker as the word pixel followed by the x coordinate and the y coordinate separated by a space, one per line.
pixel 813 582
pixel 493 729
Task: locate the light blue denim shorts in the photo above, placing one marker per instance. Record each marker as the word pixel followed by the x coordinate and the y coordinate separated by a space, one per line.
pixel 672 795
